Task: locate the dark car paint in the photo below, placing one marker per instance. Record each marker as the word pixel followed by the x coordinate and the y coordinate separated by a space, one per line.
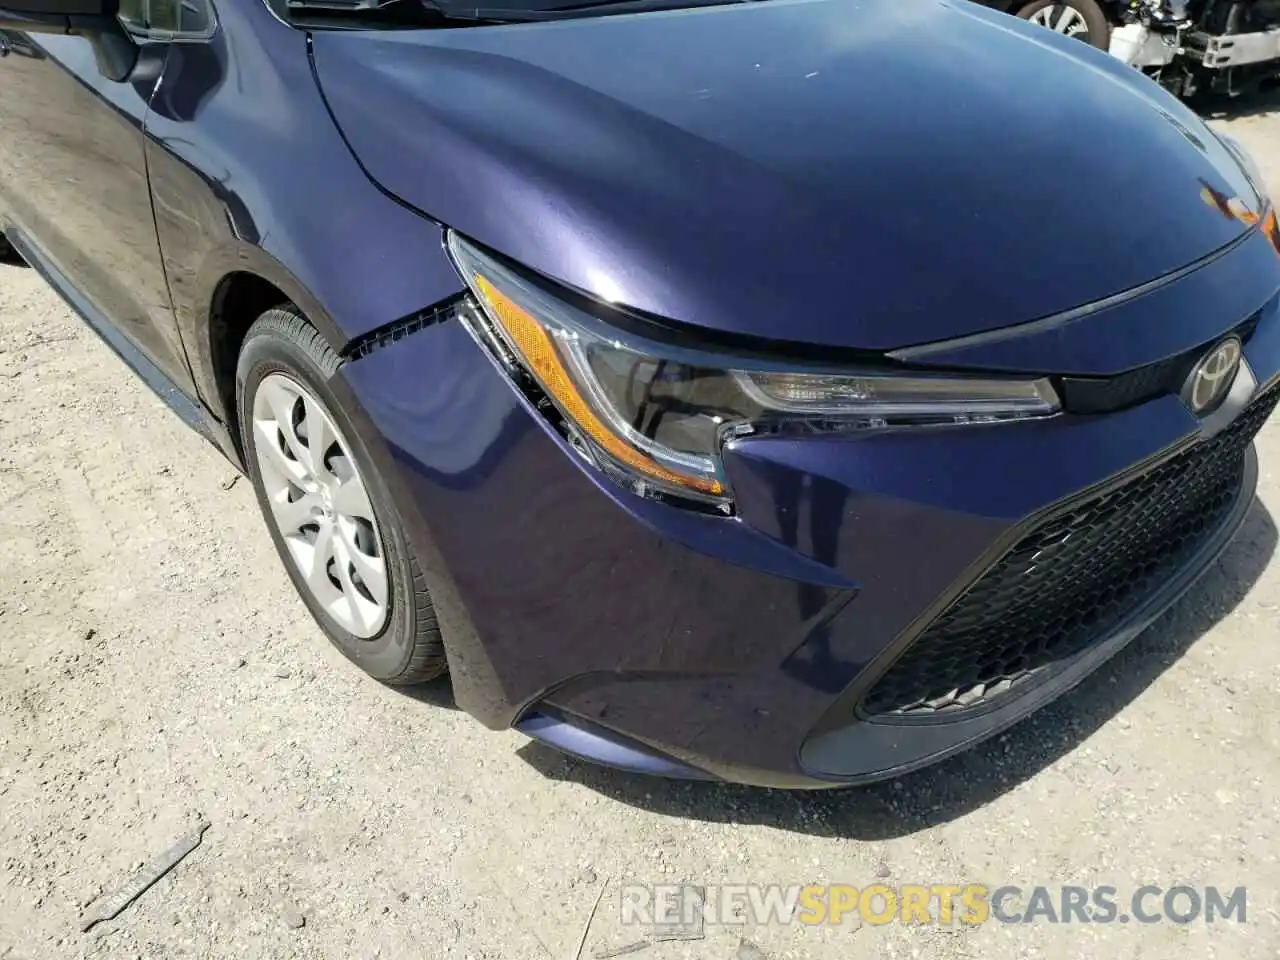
pixel 725 667
pixel 876 167
pixel 239 152
pixel 75 177
pixel 1159 320
pixel 242 155
pixel 718 646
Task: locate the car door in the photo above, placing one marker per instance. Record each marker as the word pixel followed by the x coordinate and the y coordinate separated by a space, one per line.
pixel 73 182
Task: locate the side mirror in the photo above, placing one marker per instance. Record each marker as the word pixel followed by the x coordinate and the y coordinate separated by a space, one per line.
pixel 113 48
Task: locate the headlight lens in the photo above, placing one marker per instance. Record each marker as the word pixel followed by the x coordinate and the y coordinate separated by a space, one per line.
pixel 654 416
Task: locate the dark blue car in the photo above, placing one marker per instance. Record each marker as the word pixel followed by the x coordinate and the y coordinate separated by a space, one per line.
pixel 768 391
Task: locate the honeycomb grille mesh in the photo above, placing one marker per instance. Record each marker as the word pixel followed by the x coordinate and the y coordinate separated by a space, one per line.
pixel 1070 581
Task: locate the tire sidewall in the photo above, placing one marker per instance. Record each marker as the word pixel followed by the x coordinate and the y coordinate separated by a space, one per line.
pixel 1094 15
pixel 269 350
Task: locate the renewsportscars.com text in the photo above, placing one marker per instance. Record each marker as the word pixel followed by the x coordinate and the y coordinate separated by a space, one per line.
pixel 937 903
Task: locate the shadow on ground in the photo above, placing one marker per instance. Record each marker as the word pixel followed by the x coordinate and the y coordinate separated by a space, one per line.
pixel 437 693
pixel 1258 103
pixel 964 783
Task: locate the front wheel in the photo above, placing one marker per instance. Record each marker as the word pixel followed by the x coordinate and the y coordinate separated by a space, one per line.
pixel 330 515
pixel 1081 19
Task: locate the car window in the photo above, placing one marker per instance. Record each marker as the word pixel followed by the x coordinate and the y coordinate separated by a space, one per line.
pixel 190 17
pixel 184 18
pixel 133 14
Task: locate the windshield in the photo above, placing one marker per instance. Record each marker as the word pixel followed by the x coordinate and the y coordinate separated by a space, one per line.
pixel 375 14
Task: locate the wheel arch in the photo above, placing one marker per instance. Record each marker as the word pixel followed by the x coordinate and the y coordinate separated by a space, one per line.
pixel 235 288
pixel 1003 6
pixel 238 300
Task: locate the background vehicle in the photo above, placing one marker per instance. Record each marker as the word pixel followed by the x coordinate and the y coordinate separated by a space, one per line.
pixel 1192 46
pixel 1087 20
pixel 1219 46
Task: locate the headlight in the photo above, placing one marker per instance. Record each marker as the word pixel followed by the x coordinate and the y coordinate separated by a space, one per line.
pixel 1248 166
pixel 654 416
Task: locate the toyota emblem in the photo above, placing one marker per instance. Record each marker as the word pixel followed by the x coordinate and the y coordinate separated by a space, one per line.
pixel 1211 379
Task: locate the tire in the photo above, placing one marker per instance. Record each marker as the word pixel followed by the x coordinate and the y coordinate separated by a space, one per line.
pixel 396 641
pixel 7 253
pixel 1099 32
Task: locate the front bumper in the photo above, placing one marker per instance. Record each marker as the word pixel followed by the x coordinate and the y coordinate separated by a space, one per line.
pixel 652 638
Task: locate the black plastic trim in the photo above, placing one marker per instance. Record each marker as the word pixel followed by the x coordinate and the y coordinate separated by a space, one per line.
pixel 858 752
pixel 925 350
pixel 845 708
pixel 397 330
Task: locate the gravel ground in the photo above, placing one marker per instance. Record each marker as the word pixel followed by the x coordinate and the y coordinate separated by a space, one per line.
pixel 156 669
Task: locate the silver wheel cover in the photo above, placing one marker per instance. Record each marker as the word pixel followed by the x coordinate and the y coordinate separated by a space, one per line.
pixel 1063 18
pixel 320 505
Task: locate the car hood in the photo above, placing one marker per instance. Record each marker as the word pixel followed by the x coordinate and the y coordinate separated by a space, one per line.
pixel 854 173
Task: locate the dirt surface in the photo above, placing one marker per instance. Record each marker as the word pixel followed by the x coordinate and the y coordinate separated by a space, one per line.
pixel 156 668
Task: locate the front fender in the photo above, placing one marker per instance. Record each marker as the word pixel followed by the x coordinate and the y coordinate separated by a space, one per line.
pixel 250 175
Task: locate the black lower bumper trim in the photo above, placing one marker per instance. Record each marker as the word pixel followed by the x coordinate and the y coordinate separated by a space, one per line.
pixel 863 752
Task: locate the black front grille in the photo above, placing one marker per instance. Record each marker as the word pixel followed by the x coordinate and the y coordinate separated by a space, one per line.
pixel 1108 394
pixel 1071 581
pixel 1084 395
